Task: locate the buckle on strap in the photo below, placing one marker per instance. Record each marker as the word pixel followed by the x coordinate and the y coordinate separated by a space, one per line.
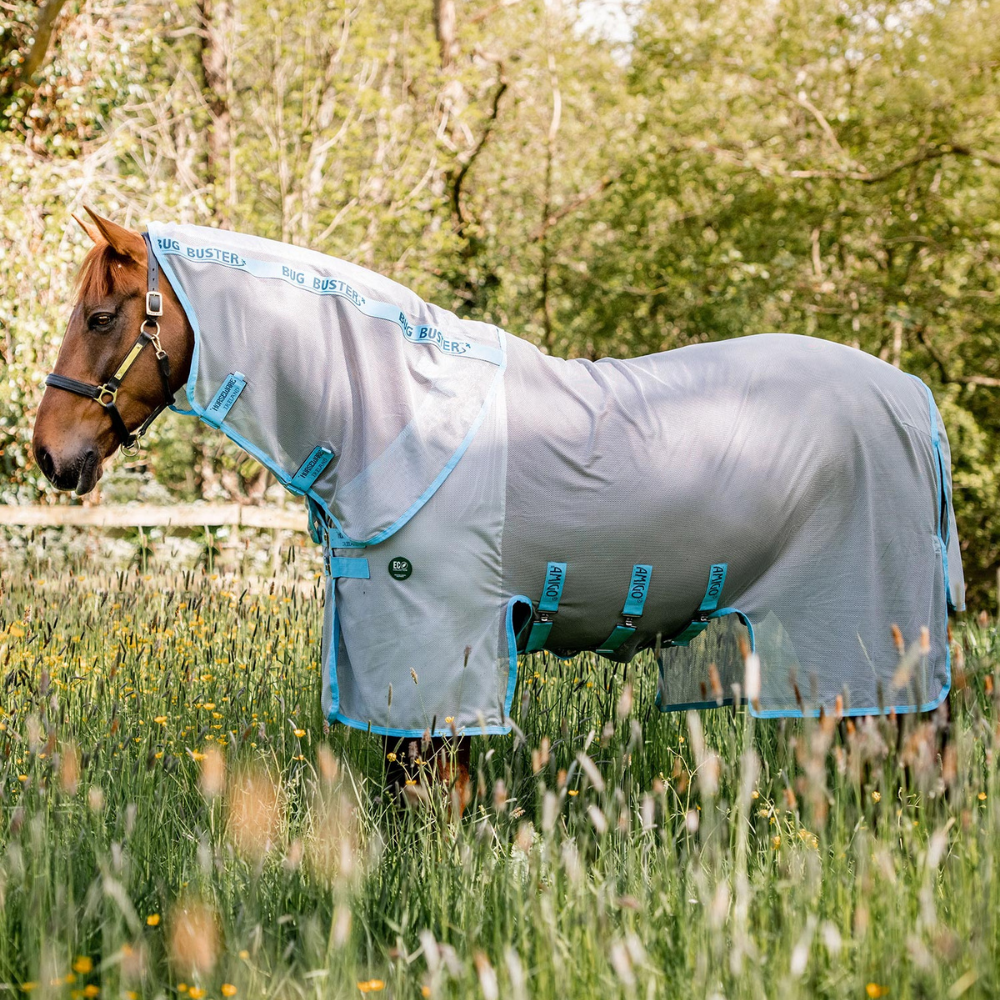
pixel 709 604
pixel 635 602
pixel 154 303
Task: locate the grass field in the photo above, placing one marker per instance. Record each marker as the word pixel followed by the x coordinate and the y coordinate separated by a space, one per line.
pixel 176 823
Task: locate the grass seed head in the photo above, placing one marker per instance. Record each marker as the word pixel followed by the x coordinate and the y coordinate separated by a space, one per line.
pixel 194 938
pixel 255 817
pixel 212 779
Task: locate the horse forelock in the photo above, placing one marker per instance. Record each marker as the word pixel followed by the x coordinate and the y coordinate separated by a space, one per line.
pixel 104 271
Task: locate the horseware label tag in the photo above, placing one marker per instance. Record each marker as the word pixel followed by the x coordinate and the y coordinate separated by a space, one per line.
pixel 400 568
pixel 222 401
pixel 311 469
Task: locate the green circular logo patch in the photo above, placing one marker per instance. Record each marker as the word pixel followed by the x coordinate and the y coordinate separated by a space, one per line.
pixel 400 568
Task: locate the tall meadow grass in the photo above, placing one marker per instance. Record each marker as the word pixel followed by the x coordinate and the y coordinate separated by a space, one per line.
pixel 177 821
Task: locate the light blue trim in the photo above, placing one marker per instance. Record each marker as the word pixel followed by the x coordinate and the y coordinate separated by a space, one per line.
pixel 349 568
pixel 338 537
pixel 417 733
pixel 512 652
pixel 222 402
pixel 319 284
pixel 638 590
pixel 310 470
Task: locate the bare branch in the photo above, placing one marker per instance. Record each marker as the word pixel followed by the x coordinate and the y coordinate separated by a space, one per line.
pixel 865 177
pixel 571 206
pixel 43 35
pixel 456 189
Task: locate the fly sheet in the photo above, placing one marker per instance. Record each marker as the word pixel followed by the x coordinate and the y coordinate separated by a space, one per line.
pixel 476 497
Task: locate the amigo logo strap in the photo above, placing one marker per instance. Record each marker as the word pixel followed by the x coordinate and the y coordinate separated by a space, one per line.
pixel 548 606
pixel 638 591
pixel 709 603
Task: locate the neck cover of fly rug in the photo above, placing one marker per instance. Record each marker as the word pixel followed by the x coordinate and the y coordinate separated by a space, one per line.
pixel 476 497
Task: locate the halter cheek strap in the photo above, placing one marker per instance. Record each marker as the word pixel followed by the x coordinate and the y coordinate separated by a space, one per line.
pixel 106 394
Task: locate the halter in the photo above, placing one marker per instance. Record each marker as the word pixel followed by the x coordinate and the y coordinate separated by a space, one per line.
pixel 106 394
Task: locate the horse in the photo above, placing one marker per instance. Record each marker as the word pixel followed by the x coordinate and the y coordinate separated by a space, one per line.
pixel 477 499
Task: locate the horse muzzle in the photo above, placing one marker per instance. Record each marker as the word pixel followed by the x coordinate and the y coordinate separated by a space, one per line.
pixel 78 473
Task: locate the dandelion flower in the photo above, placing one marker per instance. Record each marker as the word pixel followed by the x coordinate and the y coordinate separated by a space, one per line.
pixel 83 964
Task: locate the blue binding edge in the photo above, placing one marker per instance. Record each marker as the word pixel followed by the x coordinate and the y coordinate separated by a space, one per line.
pixel 336 716
pixel 939 517
pixel 280 474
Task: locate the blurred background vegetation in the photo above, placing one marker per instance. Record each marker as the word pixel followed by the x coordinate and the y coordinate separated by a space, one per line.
pixel 715 169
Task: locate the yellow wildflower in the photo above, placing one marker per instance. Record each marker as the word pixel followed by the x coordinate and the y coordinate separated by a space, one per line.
pixel 83 965
pixel 196 993
pixel 153 919
pixel 228 990
pixel 877 797
pixel 161 719
pixel 371 986
pixel 91 990
pixel 982 796
pixel 874 990
pixel 390 756
pixel 299 733
pixel 244 954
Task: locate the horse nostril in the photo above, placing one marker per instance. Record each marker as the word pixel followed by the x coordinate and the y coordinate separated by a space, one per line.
pixel 45 462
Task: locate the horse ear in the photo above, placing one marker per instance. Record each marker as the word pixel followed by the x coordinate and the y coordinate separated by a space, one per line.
pixel 88 229
pixel 123 241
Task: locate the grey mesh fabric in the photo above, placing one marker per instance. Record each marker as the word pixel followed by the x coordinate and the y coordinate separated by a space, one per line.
pixel 476 497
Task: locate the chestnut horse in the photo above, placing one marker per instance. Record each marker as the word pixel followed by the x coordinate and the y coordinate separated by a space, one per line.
pixel 128 348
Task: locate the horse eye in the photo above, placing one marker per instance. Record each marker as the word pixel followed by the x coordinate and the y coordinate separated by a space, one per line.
pixel 100 321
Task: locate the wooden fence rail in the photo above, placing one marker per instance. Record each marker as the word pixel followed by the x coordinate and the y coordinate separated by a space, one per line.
pixel 184 515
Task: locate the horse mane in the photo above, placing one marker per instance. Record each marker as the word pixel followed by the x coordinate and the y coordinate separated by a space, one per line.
pixel 102 272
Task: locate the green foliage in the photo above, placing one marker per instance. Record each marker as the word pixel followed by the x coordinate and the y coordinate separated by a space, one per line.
pixel 608 851
pixel 824 169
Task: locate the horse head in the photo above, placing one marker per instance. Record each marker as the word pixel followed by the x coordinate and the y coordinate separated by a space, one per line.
pixel 126 351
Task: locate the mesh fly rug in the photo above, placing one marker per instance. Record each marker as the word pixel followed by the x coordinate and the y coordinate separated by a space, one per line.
pixel 476 497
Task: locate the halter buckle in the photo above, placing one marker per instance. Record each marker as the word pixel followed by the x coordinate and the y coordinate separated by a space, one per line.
pixel 154 304
pixel 111 394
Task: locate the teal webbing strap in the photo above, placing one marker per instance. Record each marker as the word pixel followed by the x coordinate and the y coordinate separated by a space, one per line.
pixel 348 568
pixel 638 590
pixel 222 402
pixel 716 581
pixel 548 605
pixel 310 470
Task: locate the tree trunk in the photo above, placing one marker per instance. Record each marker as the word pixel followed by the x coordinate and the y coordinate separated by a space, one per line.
pixel 444 29
pixel 216 18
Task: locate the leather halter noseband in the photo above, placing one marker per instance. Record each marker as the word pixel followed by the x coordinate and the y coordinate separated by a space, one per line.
pixel 106 394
